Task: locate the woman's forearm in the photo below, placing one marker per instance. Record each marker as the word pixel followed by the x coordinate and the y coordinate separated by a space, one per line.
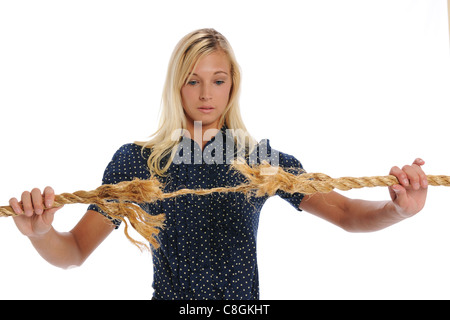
pixel 367 216
pixel 58 248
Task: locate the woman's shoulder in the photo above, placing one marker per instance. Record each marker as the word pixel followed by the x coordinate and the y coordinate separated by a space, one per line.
pixel 130 148
pixel 275 157
pixel 131 152
pixel 127 163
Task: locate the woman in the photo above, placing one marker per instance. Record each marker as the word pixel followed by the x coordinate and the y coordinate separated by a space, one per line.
pixel 208 247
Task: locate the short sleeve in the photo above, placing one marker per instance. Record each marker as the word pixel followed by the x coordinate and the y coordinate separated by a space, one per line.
pixel 292 165
pixel 288 163
pixel 124 166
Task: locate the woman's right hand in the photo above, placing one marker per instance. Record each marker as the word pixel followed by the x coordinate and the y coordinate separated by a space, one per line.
pixel 33 219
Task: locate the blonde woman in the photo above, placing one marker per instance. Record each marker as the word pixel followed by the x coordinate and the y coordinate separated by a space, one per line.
pixel 208 247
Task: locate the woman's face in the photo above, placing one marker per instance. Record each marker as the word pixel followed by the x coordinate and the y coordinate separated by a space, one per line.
pixel 206 95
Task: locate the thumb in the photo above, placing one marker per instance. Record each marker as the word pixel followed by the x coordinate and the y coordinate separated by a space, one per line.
pixel 399 193
pixel 49 215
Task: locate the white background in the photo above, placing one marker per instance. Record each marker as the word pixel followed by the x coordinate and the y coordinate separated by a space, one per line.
pixel 351 88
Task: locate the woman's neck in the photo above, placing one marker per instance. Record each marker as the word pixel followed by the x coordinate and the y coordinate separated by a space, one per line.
pixel 200 133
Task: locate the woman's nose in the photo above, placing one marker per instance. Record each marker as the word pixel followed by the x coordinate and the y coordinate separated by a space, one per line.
pixel 205 93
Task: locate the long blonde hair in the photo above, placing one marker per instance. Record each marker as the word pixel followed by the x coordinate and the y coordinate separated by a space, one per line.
pixel 185 56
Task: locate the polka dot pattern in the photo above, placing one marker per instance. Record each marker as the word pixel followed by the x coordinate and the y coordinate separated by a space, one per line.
pixel 208 248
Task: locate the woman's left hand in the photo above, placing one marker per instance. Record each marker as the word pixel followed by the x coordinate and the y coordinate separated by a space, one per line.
pixel 410 194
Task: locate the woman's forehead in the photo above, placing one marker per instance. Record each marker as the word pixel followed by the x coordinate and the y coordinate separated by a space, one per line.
pixel 217 62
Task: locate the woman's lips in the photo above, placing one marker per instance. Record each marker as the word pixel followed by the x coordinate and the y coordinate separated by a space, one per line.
pixel 206 109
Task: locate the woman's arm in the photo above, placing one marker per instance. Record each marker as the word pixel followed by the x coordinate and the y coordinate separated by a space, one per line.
pixel 62 249
pixel 408 198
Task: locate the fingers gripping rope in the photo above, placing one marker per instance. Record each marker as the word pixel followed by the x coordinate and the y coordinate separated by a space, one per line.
pixel 120 200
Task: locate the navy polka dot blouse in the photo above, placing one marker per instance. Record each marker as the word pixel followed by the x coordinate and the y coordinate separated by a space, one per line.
pixel 208 247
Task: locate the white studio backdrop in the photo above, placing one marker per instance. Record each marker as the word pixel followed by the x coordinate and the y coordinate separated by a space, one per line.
pixel 351 88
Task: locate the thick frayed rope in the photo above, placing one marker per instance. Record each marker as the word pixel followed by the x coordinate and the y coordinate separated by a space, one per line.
pixel 120 201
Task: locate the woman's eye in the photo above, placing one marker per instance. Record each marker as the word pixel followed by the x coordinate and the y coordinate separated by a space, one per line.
pixel 192 82
pixel 219 82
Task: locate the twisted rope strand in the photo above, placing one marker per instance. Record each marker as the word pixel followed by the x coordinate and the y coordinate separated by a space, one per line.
pixel 120 200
